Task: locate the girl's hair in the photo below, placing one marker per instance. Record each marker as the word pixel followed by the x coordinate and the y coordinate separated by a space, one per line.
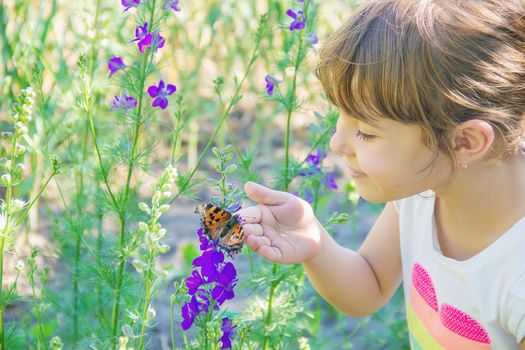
pixel 432 63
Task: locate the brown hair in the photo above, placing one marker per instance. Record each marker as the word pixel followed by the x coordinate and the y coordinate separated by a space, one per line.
pixel 432 63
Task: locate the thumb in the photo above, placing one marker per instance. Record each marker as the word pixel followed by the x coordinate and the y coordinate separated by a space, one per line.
pixel 264 195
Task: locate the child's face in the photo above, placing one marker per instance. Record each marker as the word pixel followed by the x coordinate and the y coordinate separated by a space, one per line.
pixel 391 161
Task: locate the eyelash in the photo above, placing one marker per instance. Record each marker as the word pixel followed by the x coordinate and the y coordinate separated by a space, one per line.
pixel 364 137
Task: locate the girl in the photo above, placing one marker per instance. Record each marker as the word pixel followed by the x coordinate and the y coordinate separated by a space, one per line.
pixel 432 101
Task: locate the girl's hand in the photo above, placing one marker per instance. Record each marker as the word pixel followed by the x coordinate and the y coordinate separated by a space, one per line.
pixel 282 228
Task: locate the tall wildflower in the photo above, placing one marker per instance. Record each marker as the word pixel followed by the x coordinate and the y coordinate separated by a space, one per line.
pixel 130 102
pixel 152 233
pixel 302 15
pixel 213 279
pixel 14 210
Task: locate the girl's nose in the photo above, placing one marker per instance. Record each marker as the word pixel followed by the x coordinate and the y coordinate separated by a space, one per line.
pixel 337 143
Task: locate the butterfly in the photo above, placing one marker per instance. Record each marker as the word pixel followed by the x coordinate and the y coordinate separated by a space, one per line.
pixel 221 227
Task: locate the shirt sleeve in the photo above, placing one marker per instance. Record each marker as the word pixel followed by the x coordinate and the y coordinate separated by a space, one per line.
pixel 515 310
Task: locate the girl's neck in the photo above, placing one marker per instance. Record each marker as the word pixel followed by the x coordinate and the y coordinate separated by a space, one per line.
pixel 481 203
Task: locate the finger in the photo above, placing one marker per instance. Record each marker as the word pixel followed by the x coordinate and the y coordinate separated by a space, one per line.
pixel 256 242
pixel 263 246
pixel 252 229
pixel 249 215
pixel 264 195
pixel 270 253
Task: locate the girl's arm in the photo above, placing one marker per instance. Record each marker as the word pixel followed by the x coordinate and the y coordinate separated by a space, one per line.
pixel 359 283
pixel 283 228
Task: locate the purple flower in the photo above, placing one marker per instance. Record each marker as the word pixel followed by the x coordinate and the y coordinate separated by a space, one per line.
pixel 157 41
pixel 210 263
pixel 299 21
pixel 199 303
pixel 226 280
pixel 204 241
pixel 129 4
pixel 123 103
pixel 160 94
pixel 212 280
pixel 227 333
pixel 270 83
pixel 315 159
pixel 174 4
pixel 312 39
pixel 115 64
pixel 188 316
pixel 142 36
pixel 329 181
pixel 194 282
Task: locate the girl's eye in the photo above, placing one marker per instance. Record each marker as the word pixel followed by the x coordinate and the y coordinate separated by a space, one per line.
pixel 365 137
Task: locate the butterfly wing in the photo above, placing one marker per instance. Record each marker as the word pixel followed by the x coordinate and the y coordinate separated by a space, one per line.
pixel 221 227
pixel 234 240
pixel 213 220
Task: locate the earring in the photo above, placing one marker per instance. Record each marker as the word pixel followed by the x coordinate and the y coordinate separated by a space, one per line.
pixel 522 145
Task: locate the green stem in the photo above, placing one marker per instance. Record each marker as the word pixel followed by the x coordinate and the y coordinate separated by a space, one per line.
pixel 37 312
pixel 146 298
pixel 268 318
pixel 172 323
pixel 4 233
pixel 122 226
pixel 99 258
pixel 290 106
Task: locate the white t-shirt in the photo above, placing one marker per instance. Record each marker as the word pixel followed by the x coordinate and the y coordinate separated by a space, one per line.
pixel 478 303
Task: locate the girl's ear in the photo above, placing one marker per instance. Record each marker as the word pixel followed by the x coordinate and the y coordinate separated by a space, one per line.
pixel 472 140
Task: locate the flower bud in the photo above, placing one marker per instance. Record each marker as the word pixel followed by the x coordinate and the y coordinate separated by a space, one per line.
pixel 138 265
pixel 144 207
pixel 127 331
pixel 55 163
pixel 164 248
pixel 122 342
pixel 17 205
pixel 165 195
pixel 56 343
pixel 164 208
pixel 5 180
pixel 143 227
pixel 158 235
pixel 19 266
pixel 151 313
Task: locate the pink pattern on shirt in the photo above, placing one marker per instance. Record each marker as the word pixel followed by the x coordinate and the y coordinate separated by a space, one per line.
pixel 452 318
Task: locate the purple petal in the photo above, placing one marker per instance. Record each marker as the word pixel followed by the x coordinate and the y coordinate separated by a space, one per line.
pixel 188 317
pixel 115 64
pixel 174 4
pixel 291 13
pixel 161 102
pixel 153 91
pixel 312 38
pixel 228 274
pixel 330 181
pixel 145 42
pixel 194 282
pixel 131 102
pixel 170 88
